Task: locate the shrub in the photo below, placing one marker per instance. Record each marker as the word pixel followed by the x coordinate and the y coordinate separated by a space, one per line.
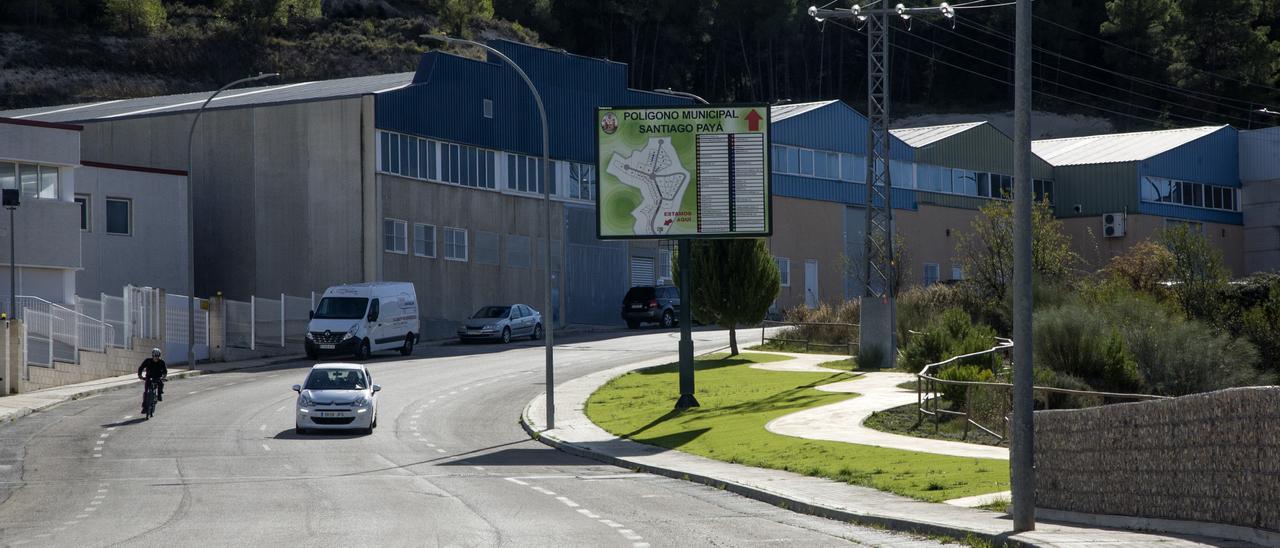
pixel 1048 378
pixel 1077 341
pixel 951 334
pixel 1261 325
pixel 966 373
pixel 1178 357
pixel 1198 272
pixel 1144 267
pixel 846 313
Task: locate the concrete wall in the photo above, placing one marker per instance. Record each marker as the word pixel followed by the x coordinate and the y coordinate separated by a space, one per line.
pixel 809 230
pixel 155 253
pixel 93 366
pixel 278 190
pixel 1087 240
pixel 47 145
pixel 930 235
pixel 1261 203
pixel 1207 457
pixel 448 290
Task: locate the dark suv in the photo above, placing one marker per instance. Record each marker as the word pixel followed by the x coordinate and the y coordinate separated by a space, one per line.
pixel 649 304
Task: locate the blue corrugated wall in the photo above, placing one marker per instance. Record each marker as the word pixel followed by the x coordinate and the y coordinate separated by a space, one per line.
pixel 1212 159
pixel 445 100
pixel 836 127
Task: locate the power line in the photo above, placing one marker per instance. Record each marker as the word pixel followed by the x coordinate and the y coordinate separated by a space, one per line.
pixel 1204 96
pixel 1046 67
pixel 1072 88
pixel 960 7
pixel 1150 56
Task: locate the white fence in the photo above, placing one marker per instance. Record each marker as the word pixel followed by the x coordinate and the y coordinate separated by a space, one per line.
pixel 264 322
pixel 177 310
pixel 55 333
pixel 268 322
pixel 142 313
pixel 238 325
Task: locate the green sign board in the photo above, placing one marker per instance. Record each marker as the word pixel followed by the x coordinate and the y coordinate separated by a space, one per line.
pixel 683 172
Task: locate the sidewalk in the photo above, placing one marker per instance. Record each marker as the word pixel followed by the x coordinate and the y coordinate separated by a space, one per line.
pixel 20 405
pixel 576 434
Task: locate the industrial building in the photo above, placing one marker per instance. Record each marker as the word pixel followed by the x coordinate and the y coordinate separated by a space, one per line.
pixel 434 176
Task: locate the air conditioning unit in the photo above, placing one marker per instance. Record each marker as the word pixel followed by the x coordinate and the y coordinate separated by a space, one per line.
pixel 1113 225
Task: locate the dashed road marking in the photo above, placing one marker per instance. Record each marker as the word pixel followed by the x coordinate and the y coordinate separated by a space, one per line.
pixel 104 435
pixel 439 450
pixel 611 523
pixel 629 534
pixel 279 409
pixel 100 496
pixel 588 513
pixel 515 481
pixel 568 502
pixel 480 468
pixel 193 392
pixel 543 490
pixel 639 545
pixel 99 442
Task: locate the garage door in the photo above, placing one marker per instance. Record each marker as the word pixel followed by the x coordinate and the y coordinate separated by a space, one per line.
pixel 642 271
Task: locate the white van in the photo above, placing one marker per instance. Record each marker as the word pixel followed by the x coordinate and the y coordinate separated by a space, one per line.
pixel 360 319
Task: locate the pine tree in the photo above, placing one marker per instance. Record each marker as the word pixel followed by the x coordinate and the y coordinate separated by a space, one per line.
pixel 734 283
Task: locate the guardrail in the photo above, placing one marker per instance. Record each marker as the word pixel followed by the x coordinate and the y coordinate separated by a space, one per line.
pixel 929 390
pixel 800 328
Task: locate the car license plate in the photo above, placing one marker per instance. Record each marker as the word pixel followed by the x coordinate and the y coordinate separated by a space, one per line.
pixel 330 414
pixel 326 347
pixel 637 306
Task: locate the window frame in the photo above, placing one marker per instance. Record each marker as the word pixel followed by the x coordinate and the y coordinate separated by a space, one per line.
pixel 937 274
pixel 432 241
pixel 452 230
pixel 401 229
pixel 784 279
pixel 128 218
pixel 86 211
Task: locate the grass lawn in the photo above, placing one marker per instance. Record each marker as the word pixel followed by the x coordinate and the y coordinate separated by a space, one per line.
pixel 738 401
pixel 850 364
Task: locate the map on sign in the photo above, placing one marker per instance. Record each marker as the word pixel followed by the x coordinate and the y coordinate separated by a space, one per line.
pixel 692 171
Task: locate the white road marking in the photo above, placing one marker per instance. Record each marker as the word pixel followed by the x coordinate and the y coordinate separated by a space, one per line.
pixel 192 392
pixel 97 456
pixel 465 388
pixel 89 510
pixel 104 435
pixel 611 523
pixel 110 428
pixel 99 442
pixel 543 490
pixel 588 513
pixel 480 468
pixel 43 535
pixel 568 502
pixel 82 516
pixel 102 490
pixel 439 450
pixel 127 416
pixel 95 502
pixel 639 545
pixel 454 392
pixel 431 445
pixel 100 497
pixel 58 529
pixel 265 448
pixel 416 417
pixel 279 409
pixel 629 534
pixel 515 481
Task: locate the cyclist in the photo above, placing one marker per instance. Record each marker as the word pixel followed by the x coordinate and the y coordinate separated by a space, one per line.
pixel 153 368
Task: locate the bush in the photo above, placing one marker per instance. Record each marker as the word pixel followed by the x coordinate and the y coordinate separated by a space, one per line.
pixel 1048 378
pixel 1177 357
pixel 1261 325
pixel 847 312
pixel 966 373
pixel 1077 341
pixel 951 334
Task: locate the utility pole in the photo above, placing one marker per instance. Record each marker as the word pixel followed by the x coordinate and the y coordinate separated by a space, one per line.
pixel 1021 462
pixel 878 311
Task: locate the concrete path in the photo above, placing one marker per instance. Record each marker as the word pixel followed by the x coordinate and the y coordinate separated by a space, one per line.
pixel 576 434
pixel 843 421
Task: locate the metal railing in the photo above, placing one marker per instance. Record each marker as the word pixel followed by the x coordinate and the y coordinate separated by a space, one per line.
pixel 930 389
pixel 802 333
pixel 268 321
pixel 296 312
pixel 55 333
pixel 239 324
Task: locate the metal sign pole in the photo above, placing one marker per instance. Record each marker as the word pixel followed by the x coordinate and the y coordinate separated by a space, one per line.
pixel 687 399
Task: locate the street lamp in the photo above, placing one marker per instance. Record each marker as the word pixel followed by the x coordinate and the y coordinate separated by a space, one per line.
pixel 11 202
pixel 546 201
pixel 191 219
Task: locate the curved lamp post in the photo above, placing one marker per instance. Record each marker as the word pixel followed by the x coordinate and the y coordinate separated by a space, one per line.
pixel 546 201
pixel 191 219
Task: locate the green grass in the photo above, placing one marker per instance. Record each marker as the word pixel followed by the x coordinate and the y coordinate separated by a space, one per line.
pixel 850 364
pixel 903 420
pixel 738 401
pixel 1001 505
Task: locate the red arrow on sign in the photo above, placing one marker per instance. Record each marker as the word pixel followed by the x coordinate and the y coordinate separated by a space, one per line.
pixel 753 121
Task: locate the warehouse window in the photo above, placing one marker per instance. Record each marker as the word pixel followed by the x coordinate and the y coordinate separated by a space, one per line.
pixel 1169 191
pixel 488 108
pixel 931 274
pixel 518 251
pixel 83 201
pixel 395 236
pixel 424 240
pixel 784 270
pixel 957 272
pixel 119 216
pixel 455 244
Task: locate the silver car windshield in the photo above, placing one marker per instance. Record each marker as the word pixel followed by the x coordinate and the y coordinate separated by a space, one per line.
pixel 336 379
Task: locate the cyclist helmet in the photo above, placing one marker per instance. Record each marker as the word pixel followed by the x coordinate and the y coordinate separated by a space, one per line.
pixel 155 352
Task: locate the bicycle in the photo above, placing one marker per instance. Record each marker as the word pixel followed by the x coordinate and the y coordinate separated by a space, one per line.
pixel 149 397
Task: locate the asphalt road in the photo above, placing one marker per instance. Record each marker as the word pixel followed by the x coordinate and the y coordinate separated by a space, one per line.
pixel 449 465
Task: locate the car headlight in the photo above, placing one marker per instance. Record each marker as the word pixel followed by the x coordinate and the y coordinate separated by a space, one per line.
pixel 303 401
pixel 360 402
pixel 310 337
pixel 351 332
pixel 491 327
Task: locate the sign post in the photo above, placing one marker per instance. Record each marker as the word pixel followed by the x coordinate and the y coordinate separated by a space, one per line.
pixel 684 173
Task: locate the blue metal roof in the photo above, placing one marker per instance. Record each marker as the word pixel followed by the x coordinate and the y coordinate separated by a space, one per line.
pixel 844 192
pixel 830 125
pixel 445 100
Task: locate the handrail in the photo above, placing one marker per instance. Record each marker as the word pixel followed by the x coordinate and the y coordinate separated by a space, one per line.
pixel 808 343
pixel 932 394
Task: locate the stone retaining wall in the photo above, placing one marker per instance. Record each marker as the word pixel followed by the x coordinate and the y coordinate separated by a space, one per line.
pixel 1211 457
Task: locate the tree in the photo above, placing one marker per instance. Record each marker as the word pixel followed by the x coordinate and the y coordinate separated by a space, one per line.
pixel 1145 267
pixel 734 282
pixel 986 251
pixel 135 16
pixel 1198 272
pixel 458 17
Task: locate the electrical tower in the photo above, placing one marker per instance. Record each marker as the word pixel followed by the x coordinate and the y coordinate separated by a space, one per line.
pixel 878 310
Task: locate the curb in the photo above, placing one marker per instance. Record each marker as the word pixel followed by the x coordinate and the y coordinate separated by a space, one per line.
pixel 184 374
pixel 781 501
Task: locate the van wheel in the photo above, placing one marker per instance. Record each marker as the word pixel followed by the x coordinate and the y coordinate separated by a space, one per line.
pixel 506 335
pixel 537 333
pixel 365 352
pixel 408 345
pixel 668 319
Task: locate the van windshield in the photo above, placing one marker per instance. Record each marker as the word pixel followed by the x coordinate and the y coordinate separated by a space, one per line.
pixel 341 308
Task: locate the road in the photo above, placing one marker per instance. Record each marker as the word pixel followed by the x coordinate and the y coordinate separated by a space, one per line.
pixel 449 465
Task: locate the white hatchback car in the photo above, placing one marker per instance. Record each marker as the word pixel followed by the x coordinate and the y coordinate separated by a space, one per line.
pixel 337 396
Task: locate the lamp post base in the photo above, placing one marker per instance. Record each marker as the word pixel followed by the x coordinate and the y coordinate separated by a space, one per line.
pixel 686 401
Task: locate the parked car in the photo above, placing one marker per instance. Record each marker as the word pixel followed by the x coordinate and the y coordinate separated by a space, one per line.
pixel 502 323
pixel 361 319
pixel 650 304
pixel 337 396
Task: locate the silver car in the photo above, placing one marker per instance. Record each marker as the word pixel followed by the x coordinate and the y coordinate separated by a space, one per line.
pixel 337 396
pixel 502 323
